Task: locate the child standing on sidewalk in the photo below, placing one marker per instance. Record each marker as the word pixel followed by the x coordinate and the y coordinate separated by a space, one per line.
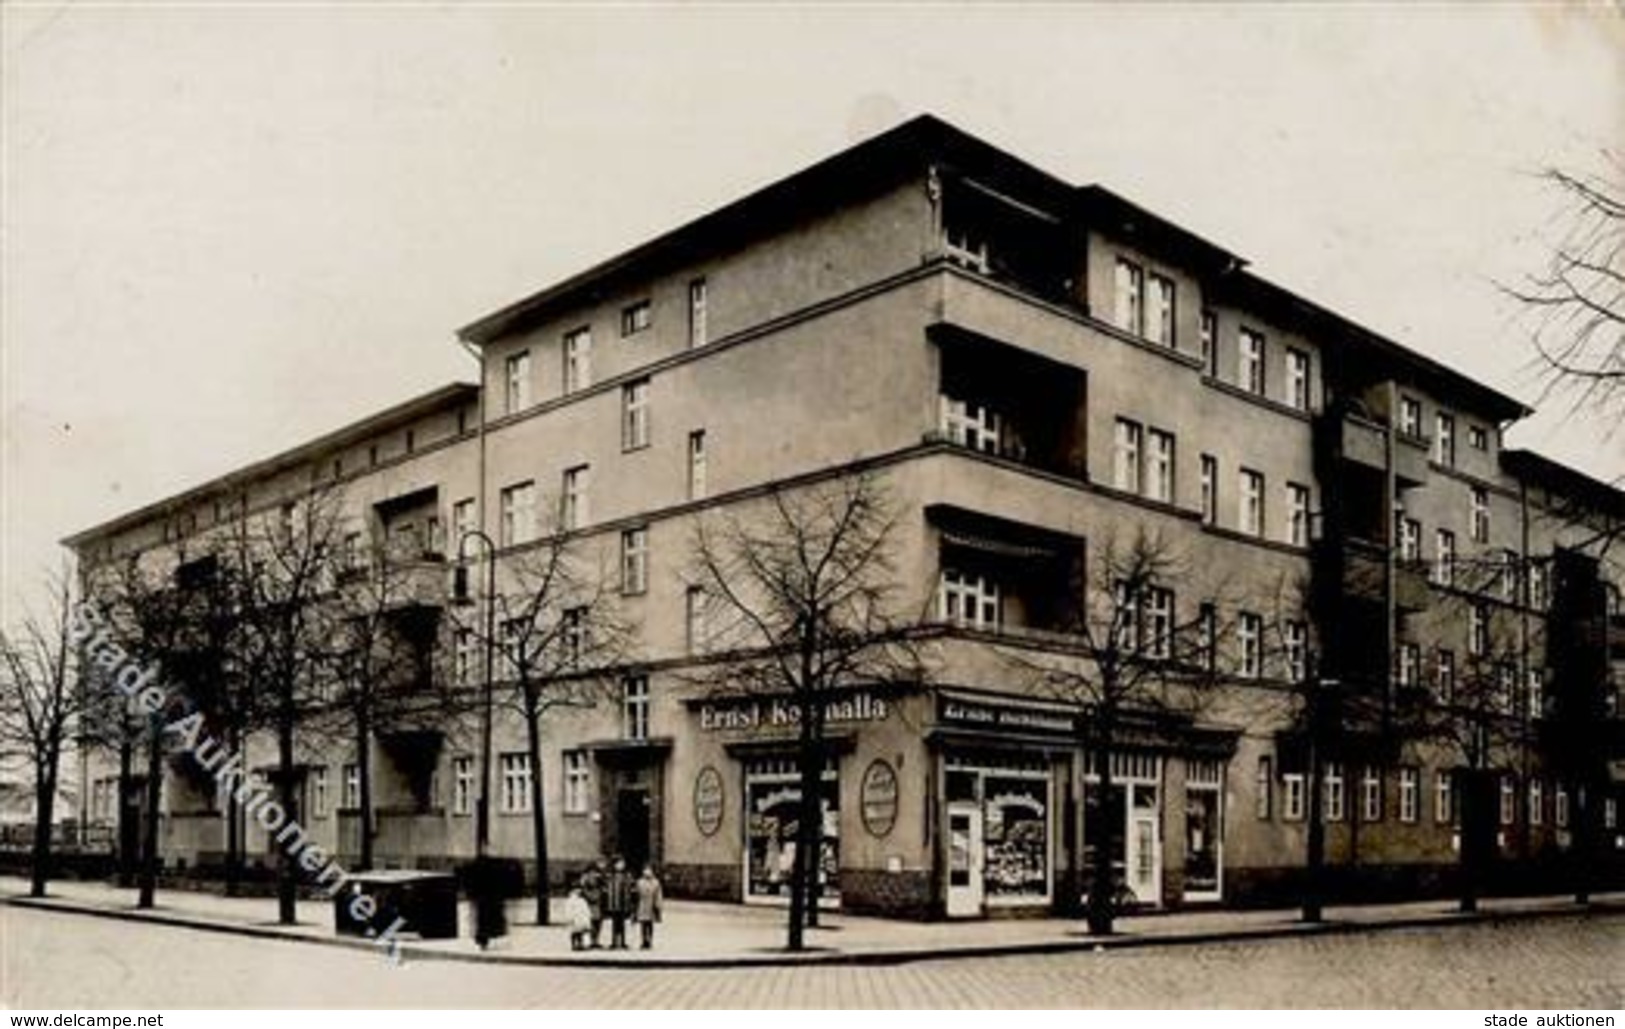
pixel 578 915
pixel 649 900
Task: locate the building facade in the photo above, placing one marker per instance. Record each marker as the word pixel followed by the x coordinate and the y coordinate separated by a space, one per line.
pixel 1036 373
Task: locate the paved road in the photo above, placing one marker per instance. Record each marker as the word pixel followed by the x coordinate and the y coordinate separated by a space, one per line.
pixel 55 960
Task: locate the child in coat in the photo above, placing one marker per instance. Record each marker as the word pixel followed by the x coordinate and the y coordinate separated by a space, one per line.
pixel 578 915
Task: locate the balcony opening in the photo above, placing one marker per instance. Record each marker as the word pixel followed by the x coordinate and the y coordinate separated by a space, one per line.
pixel 1000 576
pixel 998 236
pixel 1000 400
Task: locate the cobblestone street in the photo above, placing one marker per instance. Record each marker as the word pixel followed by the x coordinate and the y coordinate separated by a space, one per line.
pixel 57 960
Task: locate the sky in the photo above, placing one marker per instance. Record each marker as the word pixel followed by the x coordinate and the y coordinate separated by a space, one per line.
pixel 226 231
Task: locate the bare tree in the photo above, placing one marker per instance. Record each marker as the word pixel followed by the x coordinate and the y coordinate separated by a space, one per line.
pixel 40 701
pixel 1121 654
pixel 800 601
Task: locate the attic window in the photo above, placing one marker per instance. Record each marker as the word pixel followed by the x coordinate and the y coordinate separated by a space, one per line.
pixel 635 318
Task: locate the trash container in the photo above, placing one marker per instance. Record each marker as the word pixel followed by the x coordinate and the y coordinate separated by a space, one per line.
pixel 425 901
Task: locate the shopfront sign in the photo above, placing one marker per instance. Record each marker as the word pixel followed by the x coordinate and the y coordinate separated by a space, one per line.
pixel 750 713
pixel 976 714
pixel 879 797
pixel 708 801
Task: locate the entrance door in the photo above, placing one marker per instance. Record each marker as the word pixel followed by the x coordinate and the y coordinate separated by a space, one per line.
pixel 1143 874
pixel 632 827
pixel 964 861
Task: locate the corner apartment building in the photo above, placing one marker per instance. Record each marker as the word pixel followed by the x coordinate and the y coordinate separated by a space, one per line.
pixel 1035 371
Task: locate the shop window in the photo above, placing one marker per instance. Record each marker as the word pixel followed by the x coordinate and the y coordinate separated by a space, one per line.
pixel 1011 841
pixel 772 817
pixel 1204 819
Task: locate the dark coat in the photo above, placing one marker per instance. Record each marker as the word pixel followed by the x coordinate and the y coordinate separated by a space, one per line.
pixel 619 894
pixel 592 888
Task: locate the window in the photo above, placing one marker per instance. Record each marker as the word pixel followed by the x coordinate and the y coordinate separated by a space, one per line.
pixel 696 605
pixel 1210 489
pixel 1297 651
pixel 1506 687
pixel 635 318
pixel 462 518
pixel 1444 797
pixel 463 657
pixel 1251 369
pixel 1408 799
pixel 1478 630
pixel 1444 677
pixel 575 635
pixel 1130 294
pixel 577 360
pixel 1444 439
pixel 576 511
pixel 1159 622
pixel 1410 540
pixel 1207 635
pixel 1160 324
pixel 1539 585
pixel 1297 379
pixel 1410 664
pixel 1130 442
pixel 1560 806
pixel 1297 514
pixel 1159 472
pixel 1410 417
pixel 351 799
pixel 462 785
pixel 1263 786
pixel 635 415
pixel 1210 343
pixel 696 464
pixel 318 791
pixel 1537 802
pixel 1252 502
pixel 515 640
pixel 1479 508
pixel 518 382
pixel 698 315
pixel 635 707
pixel 635 560
pixel 1250 632
pixel 971 424
pixel 1509 801
pixel 577 783
pixel 1507 580
pixel 1292 796
pixel 1477 438
pixel 1371 794
pixel 515 784
pixel 1535 692
pixel 1444 567
pixel 971 600
pixel 1610 813
pixel 1332 791
pixel 518 513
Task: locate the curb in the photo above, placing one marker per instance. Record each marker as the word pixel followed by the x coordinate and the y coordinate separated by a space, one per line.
pixel 834 958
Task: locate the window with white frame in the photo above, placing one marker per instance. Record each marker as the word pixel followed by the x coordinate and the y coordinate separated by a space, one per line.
pixel 515 633
pixel 1410 417
pixel 1207 635
pixel 1539 585
pixel 318 791
pixel 971 424
pixel 1444 676
pixel 1210 489
pixel 351 798
pixel 1409 785
pixel 518 507
pixel 1371 794
pixel 1410 663
pixel 1444 557
pixel 1506 687
pixel 1477 438
pixel 697 617
pixel 1159 465
pixel 515 783
pixel 635 415
pixel 636 318
pixel 1160 322
pixel 1297 514
pixel 462 657
pixel 575 635
pixel 462 784
pixel 1537 801
pixel 1297 650
pixel 1333 792
pixel 1479 512
pixel 462 519
pixel 1478 630
pixel 970 599
pixel 576 511
pixel 577 360
pixel 1292 796
pixel 635 560
pixel 1252 502
pixel 577 783
pixel 1159 622
pixel 1410 540
pixel 517 382
pixel 1129 293
pixel 635 707
pixel 696 464
pixel 1560 806
pixel 1444 796
pixel 1444 439
pixel 1509 800
pixel 1251 368
pixel 1535 692
pixel 1210 343
pixel 1508 579
pixel 1610 813
pixel 1297 379
pixel 699 302
pixel 1250 633
pixel 1264 787
pixel 1128 448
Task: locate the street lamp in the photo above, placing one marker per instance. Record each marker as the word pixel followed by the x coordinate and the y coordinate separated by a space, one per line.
pixel 460 594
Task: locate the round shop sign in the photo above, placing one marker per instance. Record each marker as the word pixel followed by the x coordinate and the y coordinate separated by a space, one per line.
pixel 708 801
pixel 879 798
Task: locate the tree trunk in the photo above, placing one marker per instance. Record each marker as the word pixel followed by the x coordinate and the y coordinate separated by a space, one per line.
pixel 1470 816
pixel 363 768
pixel 538 807
pixel 127 832
pixel 1102 887
pixel 149 827
pixel 44 815
pixel 287 876
pixel 1584 842
pixel 806 811
pixel 234 833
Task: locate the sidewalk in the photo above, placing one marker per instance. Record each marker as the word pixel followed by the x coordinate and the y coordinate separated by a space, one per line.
pixel 696 934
